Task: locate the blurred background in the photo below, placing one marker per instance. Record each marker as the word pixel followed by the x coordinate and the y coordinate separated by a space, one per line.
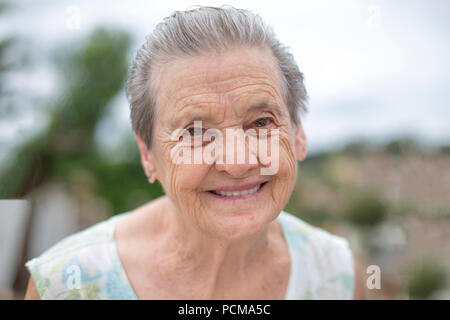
pixel 378 168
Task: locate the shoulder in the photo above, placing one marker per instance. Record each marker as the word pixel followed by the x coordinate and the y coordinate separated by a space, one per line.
pixel 325 258
pixel 78 266
pixel 303 233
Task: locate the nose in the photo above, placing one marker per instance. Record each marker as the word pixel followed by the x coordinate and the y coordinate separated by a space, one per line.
pixel 236 170
pixel 237 158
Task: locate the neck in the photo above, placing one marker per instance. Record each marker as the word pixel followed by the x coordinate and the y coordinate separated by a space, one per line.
pixel 209 258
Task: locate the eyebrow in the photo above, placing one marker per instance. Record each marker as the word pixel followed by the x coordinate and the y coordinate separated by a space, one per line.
pixel 253 108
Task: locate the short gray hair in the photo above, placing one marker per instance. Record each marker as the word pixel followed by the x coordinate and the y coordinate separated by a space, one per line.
pixel 203 29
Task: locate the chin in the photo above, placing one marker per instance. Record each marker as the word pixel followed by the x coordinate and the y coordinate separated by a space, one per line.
pixel 239 225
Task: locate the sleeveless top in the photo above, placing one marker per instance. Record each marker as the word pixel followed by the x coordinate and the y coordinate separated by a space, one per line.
pixel 86 265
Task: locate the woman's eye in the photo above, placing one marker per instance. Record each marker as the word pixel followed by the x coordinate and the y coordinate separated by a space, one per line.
pixel 195 131
pixel 263 122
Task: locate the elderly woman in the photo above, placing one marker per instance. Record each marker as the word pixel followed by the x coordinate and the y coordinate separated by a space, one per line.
pixel 220 231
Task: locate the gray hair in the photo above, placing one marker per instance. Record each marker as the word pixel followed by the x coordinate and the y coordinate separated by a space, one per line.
pixel 203 29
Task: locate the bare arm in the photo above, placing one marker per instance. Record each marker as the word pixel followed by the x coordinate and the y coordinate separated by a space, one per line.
pixel 32 292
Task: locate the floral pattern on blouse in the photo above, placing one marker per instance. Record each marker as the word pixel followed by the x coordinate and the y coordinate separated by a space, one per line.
pixel 86 265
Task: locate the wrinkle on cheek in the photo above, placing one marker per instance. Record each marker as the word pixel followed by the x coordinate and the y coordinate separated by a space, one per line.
pixel 182 189
pixel 167 169
pixel 170 170
pixel 184 199
pixel 173 179
pixel 287 170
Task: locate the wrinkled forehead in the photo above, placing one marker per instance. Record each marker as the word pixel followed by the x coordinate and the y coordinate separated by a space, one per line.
pixel 223 76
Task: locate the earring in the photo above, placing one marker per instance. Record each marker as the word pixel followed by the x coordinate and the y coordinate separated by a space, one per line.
pixel 151 179
pixel 303 148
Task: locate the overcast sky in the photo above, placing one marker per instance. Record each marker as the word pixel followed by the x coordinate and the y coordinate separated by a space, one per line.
pixel 374 69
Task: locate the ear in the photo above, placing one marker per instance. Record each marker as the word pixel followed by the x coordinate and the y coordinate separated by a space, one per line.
pixel 147 160
pixel 300 143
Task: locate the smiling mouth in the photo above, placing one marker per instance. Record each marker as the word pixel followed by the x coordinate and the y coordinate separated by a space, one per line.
pixel 238 193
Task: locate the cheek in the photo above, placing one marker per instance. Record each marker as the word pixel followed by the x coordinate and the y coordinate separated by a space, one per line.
pixel 184 187
pixel 177 179
pixel 186 178
pixel 181 182
pixel 287 156
pixel 287 168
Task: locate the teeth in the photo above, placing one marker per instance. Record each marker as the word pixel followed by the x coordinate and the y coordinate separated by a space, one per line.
pixel 238 193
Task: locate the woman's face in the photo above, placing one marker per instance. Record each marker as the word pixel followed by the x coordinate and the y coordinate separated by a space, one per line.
pixel 238 89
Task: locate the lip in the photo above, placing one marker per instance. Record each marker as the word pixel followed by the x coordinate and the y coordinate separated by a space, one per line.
pixel 238 187
pixel 243 197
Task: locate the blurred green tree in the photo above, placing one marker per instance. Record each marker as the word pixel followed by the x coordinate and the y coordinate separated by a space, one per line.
pixel 425 278
pixel 365 209
pixel 93 75
pixel 402 147
pixel 12 59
